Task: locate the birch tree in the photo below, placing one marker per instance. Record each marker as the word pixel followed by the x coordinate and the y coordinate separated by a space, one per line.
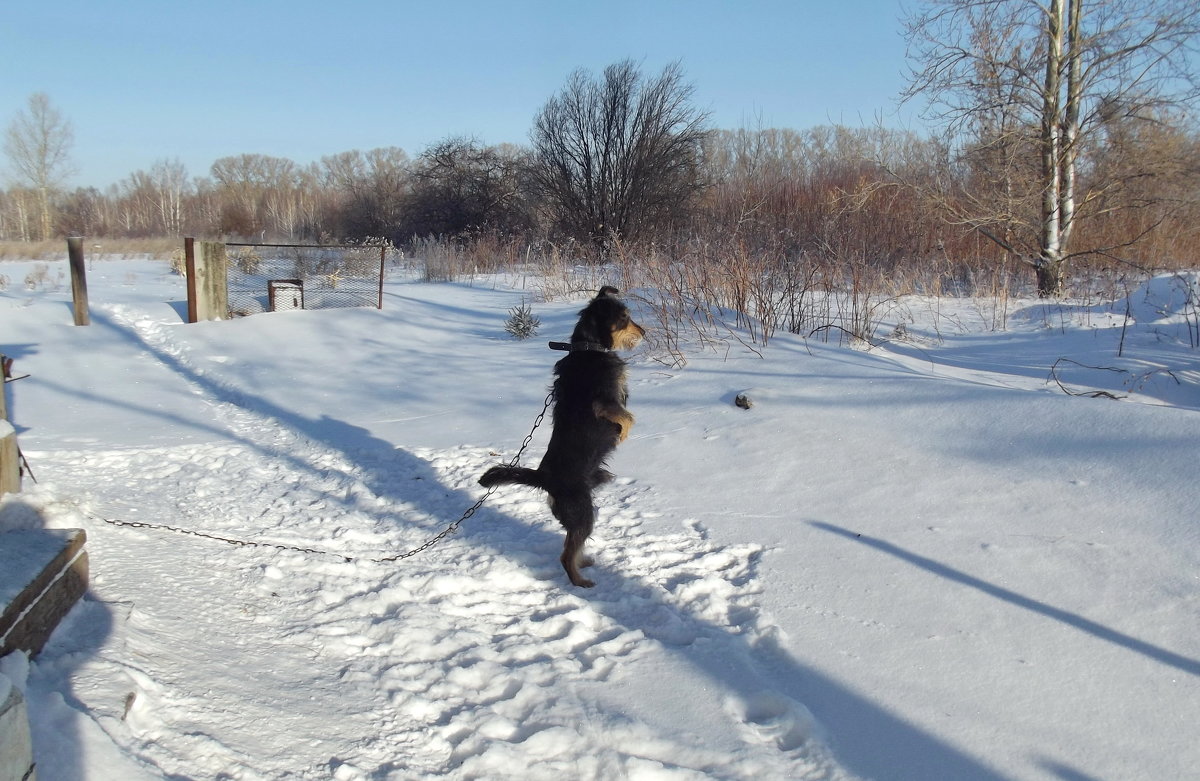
pixel 1026 87
pixel 170 179
pixel 38 145
pixel 254 190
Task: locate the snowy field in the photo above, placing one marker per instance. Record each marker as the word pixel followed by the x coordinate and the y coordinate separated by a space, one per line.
pixel 923 560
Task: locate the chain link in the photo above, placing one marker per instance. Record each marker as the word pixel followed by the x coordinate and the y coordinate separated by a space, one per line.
pixel 451 529
pixel 230 540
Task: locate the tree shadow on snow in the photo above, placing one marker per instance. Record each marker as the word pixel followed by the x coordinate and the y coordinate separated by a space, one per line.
pixel 866 738
pixel 1149 650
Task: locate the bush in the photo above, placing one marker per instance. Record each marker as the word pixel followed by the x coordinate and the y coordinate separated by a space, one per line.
pixel 522 323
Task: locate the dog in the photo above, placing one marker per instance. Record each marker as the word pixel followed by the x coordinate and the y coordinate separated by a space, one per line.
pixel 590 420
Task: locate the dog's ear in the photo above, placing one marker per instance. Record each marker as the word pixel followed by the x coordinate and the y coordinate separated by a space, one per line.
pixel 608 290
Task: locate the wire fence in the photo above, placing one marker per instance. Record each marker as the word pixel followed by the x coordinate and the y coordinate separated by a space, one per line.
pixel 276 277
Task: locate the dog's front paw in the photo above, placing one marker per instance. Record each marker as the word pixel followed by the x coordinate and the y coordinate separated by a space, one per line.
pixel 617 415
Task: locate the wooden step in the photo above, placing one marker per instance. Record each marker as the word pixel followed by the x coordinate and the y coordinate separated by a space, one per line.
pixel 43 572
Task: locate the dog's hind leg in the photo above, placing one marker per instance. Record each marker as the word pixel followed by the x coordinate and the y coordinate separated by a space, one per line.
pixel 577 516
pixel 572 558
pixel 600 477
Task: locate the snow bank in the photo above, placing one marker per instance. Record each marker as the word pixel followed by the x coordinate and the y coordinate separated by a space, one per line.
pixel 1168 298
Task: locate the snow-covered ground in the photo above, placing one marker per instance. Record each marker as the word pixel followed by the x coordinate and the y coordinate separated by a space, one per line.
pixel 920 561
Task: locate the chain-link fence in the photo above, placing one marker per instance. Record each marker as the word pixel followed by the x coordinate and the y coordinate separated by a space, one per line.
pixel 275 277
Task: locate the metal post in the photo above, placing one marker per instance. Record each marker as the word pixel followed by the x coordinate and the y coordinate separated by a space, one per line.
pixel 189 271
pixel 79 294
pixel 10 454
pixel 382 260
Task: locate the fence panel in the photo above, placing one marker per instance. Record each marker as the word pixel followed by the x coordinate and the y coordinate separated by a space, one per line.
pixel 274 277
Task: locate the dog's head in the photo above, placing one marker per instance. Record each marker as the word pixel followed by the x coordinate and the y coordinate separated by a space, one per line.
pixel 606 321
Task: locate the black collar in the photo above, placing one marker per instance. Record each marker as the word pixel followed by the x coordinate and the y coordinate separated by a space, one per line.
pixel 578 346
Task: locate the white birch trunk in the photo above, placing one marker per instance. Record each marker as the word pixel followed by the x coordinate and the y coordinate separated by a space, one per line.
pixel 1070 151
pixel 1049 262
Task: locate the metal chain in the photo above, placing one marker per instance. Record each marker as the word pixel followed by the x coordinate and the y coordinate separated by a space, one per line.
pixel 451 529
pixel 230 540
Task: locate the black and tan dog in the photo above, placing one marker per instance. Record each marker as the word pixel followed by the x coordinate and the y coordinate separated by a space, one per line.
pixel 590 420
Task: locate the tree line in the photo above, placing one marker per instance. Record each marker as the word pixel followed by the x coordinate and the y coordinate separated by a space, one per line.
pixel 1062 132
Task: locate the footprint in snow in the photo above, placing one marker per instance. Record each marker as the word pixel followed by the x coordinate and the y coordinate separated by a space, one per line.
pixel 774 719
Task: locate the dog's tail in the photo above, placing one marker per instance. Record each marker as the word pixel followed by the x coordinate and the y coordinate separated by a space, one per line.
pixel 499 475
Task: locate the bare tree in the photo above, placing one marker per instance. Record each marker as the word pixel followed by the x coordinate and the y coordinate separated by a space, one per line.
pixel 460 185
pixel 38 145
pixel 369 191
pixel 137 205
pixel 80 213
pixel 619 156
pixel 1026 88
pixel 255 192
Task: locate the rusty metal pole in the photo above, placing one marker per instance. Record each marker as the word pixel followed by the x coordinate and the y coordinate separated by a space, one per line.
pixel 382 260
pixel 79 294
pixel 189 273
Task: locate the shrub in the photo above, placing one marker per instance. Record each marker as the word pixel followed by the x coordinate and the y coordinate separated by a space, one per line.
pixel 522 323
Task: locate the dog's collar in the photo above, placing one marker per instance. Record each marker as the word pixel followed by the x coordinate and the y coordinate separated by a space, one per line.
pixel 573 347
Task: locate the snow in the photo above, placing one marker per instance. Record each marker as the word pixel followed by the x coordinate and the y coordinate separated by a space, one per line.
pixel 918 560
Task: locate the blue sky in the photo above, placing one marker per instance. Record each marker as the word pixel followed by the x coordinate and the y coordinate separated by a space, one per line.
pixel 143 81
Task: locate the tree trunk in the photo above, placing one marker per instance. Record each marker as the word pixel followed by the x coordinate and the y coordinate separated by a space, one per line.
pixel 1051 277
pixel 1050 236
pixel 46 226
pixel 1059 142
pixel 1069 153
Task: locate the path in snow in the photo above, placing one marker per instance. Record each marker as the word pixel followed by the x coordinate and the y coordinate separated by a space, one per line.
pixel 474 659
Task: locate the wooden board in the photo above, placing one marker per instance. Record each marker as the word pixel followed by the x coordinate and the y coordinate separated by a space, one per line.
pixel 43 573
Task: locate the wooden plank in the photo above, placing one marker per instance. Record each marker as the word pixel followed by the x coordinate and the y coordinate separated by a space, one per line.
pixel 43 572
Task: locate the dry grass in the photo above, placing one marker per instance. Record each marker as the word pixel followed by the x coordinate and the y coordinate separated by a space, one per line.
pixel 56 249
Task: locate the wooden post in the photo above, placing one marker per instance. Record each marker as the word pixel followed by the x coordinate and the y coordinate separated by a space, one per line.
pixel 10 460
pixel 79 294
pixel 207 280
